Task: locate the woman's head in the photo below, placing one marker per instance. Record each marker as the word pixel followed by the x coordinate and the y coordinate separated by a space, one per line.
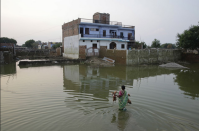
pixel 123 87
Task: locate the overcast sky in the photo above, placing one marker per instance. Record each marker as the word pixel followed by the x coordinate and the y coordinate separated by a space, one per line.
pixel 42 19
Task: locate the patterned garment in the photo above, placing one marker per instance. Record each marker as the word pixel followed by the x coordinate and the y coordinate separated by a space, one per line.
pixel 123 99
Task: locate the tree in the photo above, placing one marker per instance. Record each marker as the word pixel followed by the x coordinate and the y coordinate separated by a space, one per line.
pixel 189 39
pixel 29 43
pixel 141 43
pixel 56 45
pixel 168 46
pixel 156 43
pixel 8 40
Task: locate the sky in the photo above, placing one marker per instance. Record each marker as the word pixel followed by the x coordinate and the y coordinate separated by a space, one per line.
pixel 42 19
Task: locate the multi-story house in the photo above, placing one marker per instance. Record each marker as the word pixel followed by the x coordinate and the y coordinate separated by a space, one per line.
pixel 97 33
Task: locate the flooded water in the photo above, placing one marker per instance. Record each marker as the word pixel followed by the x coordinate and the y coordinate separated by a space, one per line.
pixel 78 97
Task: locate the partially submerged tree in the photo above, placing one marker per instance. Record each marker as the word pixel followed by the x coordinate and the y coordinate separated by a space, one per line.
pixel 156 43
pixel 189 39
pixel 8 40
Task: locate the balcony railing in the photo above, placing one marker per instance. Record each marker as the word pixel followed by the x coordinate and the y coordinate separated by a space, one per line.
pixel 107 36
pixel 105 22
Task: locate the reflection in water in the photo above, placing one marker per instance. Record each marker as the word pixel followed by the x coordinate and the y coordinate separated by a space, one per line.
pixel 121 119
pixel 80 96
pixel 188 81
pixel 8 69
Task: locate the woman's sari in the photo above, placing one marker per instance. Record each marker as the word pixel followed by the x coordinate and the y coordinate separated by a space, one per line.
pixel 123 99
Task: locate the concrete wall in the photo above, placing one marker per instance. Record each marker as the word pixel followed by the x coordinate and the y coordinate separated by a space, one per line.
pixel 118 55
pixel 71 47
pixel 147 56
pixel 151 56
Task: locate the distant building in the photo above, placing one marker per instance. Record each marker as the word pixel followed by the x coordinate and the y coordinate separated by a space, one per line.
pixel 39 46
pixel 95 33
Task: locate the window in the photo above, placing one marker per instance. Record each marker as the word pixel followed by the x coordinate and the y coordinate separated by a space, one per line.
pixel 91 40
pixel 129 36
pixel 94 29
pixel 87 31
pixel 121 35
pixel 104 32
pixel 94 45
pixel 122 46
pixel 83 40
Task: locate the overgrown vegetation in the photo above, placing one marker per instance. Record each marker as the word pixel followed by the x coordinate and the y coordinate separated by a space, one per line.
pixel 156 43
pixel 56 45
pixel 29 43
pixel 8 40
pixel 141 43
pixel 168 46
pixel 189 39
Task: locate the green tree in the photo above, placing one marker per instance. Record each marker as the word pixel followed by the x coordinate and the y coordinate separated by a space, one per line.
pixel 189 39
pixel 141 43
pixel 56 45
pixel 7 40
pixel 29 43
pixel 156 43
pixel 168 46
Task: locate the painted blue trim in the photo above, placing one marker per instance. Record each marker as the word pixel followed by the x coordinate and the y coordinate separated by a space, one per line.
pixel 104 39
pixel 106 25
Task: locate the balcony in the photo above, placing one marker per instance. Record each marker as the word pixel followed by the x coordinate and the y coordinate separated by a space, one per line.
pixel 83 20
pixel 130 38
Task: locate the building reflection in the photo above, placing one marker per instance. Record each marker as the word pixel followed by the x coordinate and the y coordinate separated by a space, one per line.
pixel 94 80
pixel 8 69
pixel 99 81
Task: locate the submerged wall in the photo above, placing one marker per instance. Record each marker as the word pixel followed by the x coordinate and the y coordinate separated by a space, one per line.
pixel 152 56
pixel 146 56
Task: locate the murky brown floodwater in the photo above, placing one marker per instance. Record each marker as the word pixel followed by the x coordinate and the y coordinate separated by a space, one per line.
pixel 78 97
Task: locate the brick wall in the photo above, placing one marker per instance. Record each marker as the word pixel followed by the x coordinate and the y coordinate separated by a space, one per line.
pixel 70 29
pixel 118 55
pixel 189 57
pixel 82 52
pixel 103 17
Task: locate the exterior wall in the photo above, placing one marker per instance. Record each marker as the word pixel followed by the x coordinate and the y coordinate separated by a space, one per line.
pixel 151 56
pixel 58 51
pixel 71 47
pixel 118 55
pixel 117 29
pixel 102 17
pixel 89 44
pixel 82 52
pixel 134 57
pixel 190 57
pixel 70 29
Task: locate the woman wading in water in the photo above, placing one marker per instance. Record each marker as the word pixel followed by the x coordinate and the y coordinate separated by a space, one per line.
pixel 123 98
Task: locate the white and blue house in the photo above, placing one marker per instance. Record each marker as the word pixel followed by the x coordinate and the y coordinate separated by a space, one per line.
pixel 96 33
